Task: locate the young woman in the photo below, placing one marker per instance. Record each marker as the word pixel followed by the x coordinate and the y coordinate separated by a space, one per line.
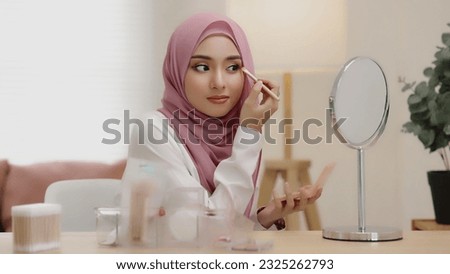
pixel 208 131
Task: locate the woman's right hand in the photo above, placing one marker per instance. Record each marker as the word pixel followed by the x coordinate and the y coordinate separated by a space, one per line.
pixel 256 112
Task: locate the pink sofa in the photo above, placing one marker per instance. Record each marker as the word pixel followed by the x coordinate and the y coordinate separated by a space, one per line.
pixel 24 184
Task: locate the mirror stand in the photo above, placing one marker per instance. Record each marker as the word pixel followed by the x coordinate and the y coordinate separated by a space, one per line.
pixel 361 232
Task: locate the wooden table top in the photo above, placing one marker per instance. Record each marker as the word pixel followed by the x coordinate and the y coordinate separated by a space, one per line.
pixel 284 242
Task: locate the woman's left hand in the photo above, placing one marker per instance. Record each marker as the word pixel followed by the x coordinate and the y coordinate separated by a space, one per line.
pixel 282 206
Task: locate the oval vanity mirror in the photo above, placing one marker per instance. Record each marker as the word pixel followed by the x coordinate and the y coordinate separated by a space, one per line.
pixel 359 104
pixel 360 97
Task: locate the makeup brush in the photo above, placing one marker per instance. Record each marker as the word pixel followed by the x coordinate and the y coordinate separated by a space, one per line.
pixel 264 87
pixel 324 175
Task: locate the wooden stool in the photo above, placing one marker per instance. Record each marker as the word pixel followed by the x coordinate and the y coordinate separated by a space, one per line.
pixel 296 172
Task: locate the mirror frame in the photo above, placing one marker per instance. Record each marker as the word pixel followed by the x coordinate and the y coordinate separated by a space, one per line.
pixel 380 129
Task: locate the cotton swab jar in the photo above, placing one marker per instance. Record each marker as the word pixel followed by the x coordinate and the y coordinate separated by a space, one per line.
pixel 36 227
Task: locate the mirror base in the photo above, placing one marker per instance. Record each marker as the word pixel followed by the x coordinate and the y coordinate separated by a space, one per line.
pixel 370 234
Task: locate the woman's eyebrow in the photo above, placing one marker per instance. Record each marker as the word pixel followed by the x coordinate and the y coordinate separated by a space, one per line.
pixel 234 57
pixel 199 56
pixel 206 57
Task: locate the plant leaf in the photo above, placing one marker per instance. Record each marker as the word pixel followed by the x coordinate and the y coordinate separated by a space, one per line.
pixel 447 129
pixel 420 117
pixel 426 137
pixel 408 86
pixel 431 96
pixel 421 90
pixel 432 105
pixel 440 141
pixel 428 72
pixel 438 55
pixel 446 39
pixel 433 82
pixel 444 103
pixel 414 99
pixel 411 127
pixel 434 119
pixel 418 108
pixel 445 54
pixel 445 88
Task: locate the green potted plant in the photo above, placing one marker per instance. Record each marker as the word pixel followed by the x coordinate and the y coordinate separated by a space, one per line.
pixel 429 106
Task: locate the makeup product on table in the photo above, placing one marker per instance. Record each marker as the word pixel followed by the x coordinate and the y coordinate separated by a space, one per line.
pixel 279 182
pixel 36 227
pixel 107 225
pixel 140 193
pixel 264 87
pixel 278 189
pixel 324 175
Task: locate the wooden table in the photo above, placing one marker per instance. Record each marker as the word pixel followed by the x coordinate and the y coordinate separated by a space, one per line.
pixel 427 224
pixel 284 242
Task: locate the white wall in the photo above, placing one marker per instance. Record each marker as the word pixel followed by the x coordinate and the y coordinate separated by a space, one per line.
pixel 292 34
pixel 402 36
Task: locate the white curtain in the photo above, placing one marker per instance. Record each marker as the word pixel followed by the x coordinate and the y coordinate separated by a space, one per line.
pixel 65 68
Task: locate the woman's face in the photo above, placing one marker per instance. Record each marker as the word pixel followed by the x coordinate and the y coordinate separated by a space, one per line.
pixel 214 80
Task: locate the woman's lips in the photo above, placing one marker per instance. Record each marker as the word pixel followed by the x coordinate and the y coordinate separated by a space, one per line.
pixel 218 99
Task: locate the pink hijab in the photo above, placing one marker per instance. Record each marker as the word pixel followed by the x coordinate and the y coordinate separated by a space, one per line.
pixel 189 124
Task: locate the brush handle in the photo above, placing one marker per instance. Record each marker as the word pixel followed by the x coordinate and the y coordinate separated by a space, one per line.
pixel 264 87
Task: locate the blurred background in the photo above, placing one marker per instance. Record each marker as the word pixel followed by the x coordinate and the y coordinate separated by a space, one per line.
pixel 68 66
